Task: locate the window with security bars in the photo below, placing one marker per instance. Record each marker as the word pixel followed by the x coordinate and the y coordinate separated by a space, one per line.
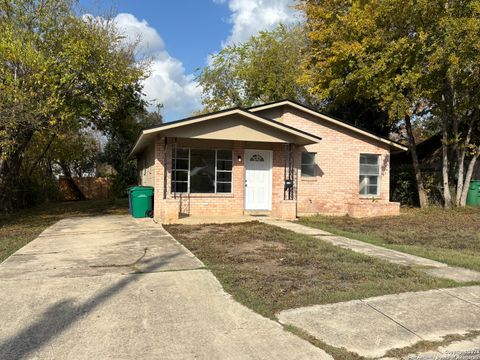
pixel 369 175
pixel 201 171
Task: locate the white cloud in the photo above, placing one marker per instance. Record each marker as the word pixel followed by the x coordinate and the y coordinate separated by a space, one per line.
pixel 251 16
pixel 167 84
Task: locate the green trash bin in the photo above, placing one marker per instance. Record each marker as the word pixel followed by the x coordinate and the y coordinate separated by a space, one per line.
pixel 141 201
pixel 473 195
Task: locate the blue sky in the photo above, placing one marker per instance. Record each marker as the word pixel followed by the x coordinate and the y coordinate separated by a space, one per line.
pixel 179 35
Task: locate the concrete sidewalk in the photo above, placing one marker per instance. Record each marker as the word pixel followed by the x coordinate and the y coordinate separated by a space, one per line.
pixel 371 327
pixel 111 287
pixel 431 267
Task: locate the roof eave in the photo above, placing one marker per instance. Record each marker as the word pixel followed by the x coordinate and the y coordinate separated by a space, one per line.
pixel 310 139
pixel 328 118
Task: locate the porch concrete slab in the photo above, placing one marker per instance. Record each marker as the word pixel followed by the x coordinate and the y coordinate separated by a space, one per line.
pixel 199 220
pixel 352 325
pixel 432 267
pixel 372 326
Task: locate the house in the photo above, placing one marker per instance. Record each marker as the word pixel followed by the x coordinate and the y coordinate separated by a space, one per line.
pixel 282 159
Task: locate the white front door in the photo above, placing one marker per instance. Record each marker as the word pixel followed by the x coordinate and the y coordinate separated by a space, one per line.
pixel 258 179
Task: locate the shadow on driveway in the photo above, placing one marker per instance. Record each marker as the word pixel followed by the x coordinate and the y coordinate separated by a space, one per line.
pixel 63 314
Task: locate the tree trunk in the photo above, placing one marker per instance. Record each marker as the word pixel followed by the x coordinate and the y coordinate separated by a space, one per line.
pixel 42 155
pixel 71 183
pixel 461 166
pixel 422 195
pixel 447 197
pixel 468 177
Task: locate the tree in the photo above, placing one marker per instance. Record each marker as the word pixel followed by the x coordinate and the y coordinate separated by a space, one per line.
pixel 267 68
pixel 131 118
pixel 58 72
pixel 454 91
pixel 263 69
pixel 376 50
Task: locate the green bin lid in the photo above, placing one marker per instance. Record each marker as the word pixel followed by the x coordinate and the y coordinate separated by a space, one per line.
pixel 141 189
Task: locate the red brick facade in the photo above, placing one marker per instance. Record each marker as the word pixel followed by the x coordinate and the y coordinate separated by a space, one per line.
pixel 334 191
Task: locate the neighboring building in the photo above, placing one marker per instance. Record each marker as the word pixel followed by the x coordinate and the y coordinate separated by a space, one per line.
pixel 281 159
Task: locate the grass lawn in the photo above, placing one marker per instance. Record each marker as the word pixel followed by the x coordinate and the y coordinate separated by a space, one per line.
pixel 271 269
pixel 20 227
pixel 449 236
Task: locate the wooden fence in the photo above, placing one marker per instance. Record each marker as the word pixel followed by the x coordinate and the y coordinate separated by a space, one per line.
pixel 91 187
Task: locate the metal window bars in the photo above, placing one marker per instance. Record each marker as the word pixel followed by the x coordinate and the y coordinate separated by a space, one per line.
pixel 289 173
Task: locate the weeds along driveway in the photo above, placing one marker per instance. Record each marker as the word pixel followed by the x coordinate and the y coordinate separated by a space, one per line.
pixel 111 287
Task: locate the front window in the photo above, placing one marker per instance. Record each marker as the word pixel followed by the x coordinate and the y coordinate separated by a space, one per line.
pixel 369 175
pixel 309 167
pixel 202 171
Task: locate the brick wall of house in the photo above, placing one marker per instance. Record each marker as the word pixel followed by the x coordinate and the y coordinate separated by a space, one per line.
pixel 146 166
pixel 335 189
pixel 177 205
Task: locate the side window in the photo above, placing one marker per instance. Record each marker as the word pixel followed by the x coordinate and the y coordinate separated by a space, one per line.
pixel 369 175
pixel 309 166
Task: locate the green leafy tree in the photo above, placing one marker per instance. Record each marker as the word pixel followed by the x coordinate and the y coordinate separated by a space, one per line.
pixel 58 73
pixel 267 68
pixel 131 119
pixel 402 54
pixel 263 69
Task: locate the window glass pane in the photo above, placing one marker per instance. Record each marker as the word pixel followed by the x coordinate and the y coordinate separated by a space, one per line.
pixel 372 180
pixel 224 155
pixel 363 185
pixel 224 176
pixel 368 185
pixel 180 164
pixel 181 187
pixel 224 165
pixel 224 187
pixel 308 158
pixel 309 167
pixel 308 170
pixel 202 171
pixel 180 175
pixel 369 159
pixel 369 169
pixel 182 153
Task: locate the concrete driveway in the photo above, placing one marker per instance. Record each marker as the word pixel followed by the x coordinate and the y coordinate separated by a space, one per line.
pixel 112 287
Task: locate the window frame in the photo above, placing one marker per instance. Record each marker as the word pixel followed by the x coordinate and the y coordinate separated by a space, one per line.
pixel 174 169
pixel 379 176
pixel 314 165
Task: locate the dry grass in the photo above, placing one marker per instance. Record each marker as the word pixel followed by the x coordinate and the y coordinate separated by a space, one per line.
pixel 20 227
pixel 271 269
pixel 450 236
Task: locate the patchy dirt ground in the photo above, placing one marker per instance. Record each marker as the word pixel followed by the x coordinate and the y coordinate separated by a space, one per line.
pixel 270 269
